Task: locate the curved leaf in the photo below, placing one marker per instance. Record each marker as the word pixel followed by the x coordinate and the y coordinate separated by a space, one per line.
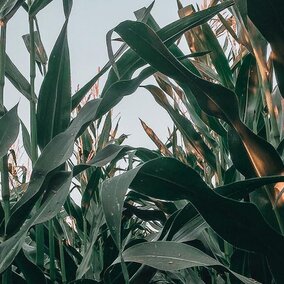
pixel 171 256
pixel 9 129
pixel 60 149
pixel 50 207
pixel 185 126
pixel 214 99
pixel 130 62
pixel 8 8
pixel 38 5
pixel 239 223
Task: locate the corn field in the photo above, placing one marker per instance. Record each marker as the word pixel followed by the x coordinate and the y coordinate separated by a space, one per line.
pixel 203 206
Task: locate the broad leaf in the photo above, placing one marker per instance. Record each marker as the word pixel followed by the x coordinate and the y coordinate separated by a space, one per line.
pixel 60 149
pixel 171 256
pixel 54 101
pixel 214 99
pixel 239 223
pixel 51 206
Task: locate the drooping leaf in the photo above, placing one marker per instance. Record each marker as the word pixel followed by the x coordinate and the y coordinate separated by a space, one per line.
pixel 130 62
pixel 60 149
pixel 9 129
pixel 239 223
pixel 214 99
pixel 171 256
pixel 8 8
pixel 54 101
pixel 122 88
pixel 37 5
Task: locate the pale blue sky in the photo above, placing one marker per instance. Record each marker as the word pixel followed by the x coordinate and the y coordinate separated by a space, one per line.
pixel 90 21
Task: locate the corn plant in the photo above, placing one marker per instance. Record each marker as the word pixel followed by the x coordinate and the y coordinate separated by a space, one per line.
pixel 204 207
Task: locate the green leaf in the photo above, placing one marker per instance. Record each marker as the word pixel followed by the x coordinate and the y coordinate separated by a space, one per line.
pixel 239 189
pixel 248 92
pixel 17 79
pixel 26 140
pixel 239 223
pixel 87 259
pixel 185 126
pixel 27 266
pixel 214 99
pixel 56 153
pixel 67 6
pixel 52 204
pixel 8 8
pixel 54 101
pixel 113 194
pixel 130 62
pixel 217 56
pixel 171 256
pixel 108 154
pixel 9 129
pixel 105 133
pixel 262 155
pixel 122 88
pixel 269 21
pixel 38 5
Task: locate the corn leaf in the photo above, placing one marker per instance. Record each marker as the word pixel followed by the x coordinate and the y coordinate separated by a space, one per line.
pixel 171 256
pixel 54 101
pixel 9 129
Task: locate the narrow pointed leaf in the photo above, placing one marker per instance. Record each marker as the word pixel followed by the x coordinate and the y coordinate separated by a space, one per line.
pixel 26 140
pixel 54 102
pixel 17 79
pixel 9 129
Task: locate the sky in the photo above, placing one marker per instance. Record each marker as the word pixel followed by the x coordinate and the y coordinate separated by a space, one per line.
pixel 89 22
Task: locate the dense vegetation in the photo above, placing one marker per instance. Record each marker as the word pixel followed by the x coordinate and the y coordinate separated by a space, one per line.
pixel 205 207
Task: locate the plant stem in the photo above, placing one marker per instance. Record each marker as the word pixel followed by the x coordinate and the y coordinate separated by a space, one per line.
pixel 33 124
pixel 85 236
pixel 5 190
pixel 62 262
pixel 2 65
pixel 51 251
pixel 33 130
